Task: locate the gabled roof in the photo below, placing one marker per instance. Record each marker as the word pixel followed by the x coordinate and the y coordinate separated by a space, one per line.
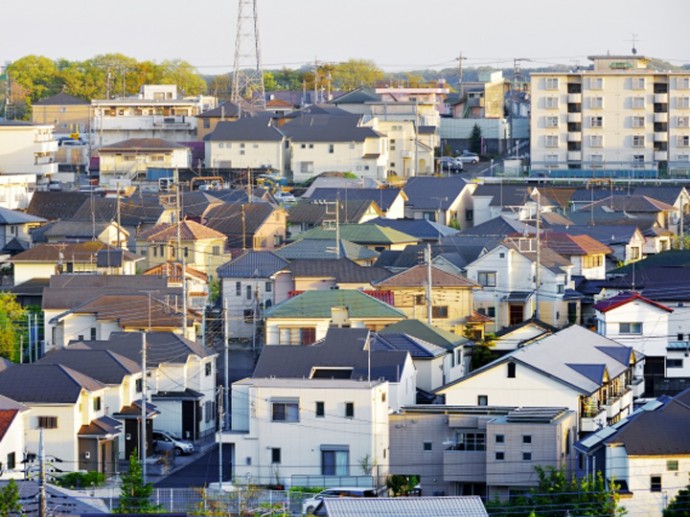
pixel 573 356
pixel 324 249
pixel 189 231
pixel 253 264
pixel 247 129
pixel 420 228
pixel 384 197
pixel 305 212
pixel 342 270
pixel 142 144
pixel 78 252
pixel 499 226
pixel 103 365
pixel 140 208
pixel 344 349
pixel 504 195
pixel 366 233
pixel 426 332
pixel 608 234
pixel 568 245
pixel 417 348
pixel 548 258
pixel 318 304
pixel 626 297
pixel 52 383
pixel 418 275
pixel 61 99
pixel 226 109
pixel 227 219
pixel 327 128
pixel 8 216
pixel 433 193
pixel 79 229
pixel 360 95
pixel 55 205
pixel 668 194
pixel 633 204
pixel 173 270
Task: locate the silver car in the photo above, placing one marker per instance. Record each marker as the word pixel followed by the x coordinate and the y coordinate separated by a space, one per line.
pixel 164 441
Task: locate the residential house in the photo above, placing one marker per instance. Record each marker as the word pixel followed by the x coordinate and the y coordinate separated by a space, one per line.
pixel 423 229
pixel 574 368
pixel 27 149
pixel 56 232
pixel 305 318
pixel 676 196
pixel 489 201
pixel 13 419
pixel 448 302
pixel 66 113
pixel 247 143
pixel 625 240
pixel 521 334
pixel 57 205
pixel 377 238
pixel 17 190
pixel 209 119
pixel 646 455
pixel 489 451
pixel 391 201
pixel 306 215
pixel 16 226
pixel 587 255
pixel 338 142
pixel 435 198
pixel 67 409
pixel 181 383
pixel 313 249
pixel 201 247
pixel 196 282
pixel 250 283
pixel 89 257
pixel 125 161
pixel 509 274
pixel 343 273
pixel 249 225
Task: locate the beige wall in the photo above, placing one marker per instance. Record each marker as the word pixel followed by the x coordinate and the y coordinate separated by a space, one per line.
pixel 65 119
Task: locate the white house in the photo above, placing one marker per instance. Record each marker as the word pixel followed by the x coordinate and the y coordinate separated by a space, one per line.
pixel 309 432
pixel 13 419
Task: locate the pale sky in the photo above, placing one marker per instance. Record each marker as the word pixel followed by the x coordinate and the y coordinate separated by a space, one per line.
pixel 397 35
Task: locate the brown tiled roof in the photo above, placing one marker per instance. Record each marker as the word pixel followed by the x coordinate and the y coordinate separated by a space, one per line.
pixel 78 252
pixel 174 269
pixel 6 419
pixel 478 317
pixel 565 244
pixel 189 231
pixel 416 276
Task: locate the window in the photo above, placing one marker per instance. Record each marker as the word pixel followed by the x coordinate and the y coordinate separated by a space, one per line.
pixel 320 409
pixel 638 140
pixel 216 251
pixel 482 400
pixel 349 409
pixel 285 411
pixel 551 83
pixel 597 121
pixel 635 253
pixel 551 121
pixel 596 140
pixel 637 122
pixel 248 315
pixel 526 438
pixel 500 438
pixel 306 167
pixel 208 369
pixel 297 336
pixel 138 385
pixel 419 299
pixel 683 121
pixel 439 311
pixel 469 215
pixel 551 140
pixel 638 103
pixel 275 455
pixel 551 159
pixel 674 363
pixel 331 148
pixel 268 287
pixel 638 160
pixel 683 103
pixel 186 251
pixel 511 370
pixel 335 461
pixel 655 483
pixel 596 103
pixel 684 158
pixel 551 102
pixel 47 422
pixel 427 446
pixel 11 461
pixel 560 289
pixel 683 141
pixel 683 83
pixel 97 404
pixel 93 334
pixel 238 288
pixel 630 328
pixel 491 312
pixel 487 278
pixel 526 456
pixel 248 292
pixel 470 441
pixel 637 83
pixel 596 83
pixel 500 456
pixel 672 465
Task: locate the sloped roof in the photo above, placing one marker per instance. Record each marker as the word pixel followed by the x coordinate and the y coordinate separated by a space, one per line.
pixel 305 212
pixel 327 128
pixel 318 304
pixel 384 197
pixel 55 205
pixel 417 348
pixel 504 195
pixel 227 219
pixel 426 332
pixel 247 129
pixel 78 229
pixel 8 216
pixel 77 252
pixel 58 383
pixel 189 231
pixel 499 226
pixel 134 210
pixel 623 298
pixel 61 99
pixel 567 245
pixel 103 365
pixel 417 276
pixel 668 194
pixel 432 192
pixel 143 144
pixel 324 249
pixel 253 264
pixel 340 348
pixel 360 95
pixel 361 234
pixel 633 204
pixel 547 258
pixel 420 228
pixel 610 234
pixel 342 270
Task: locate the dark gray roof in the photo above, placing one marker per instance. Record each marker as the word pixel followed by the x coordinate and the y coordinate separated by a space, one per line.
pixel 227 109
pixel 196 203
pixel 667 194
pixel 314 213
pixel 61 99
pixel 500 226
pixel 327 128
pixel 52 383
pixel 426 332
pixel 359 96
pixel 324 249
pixel 384 197
pixel 608 234
pixel 8 216
pixel 432 192
pixel 342 347
pixel 418 348
pixel 248 129
pixel 343 270
pixel 420 228
pixel 253 264
pixel 140 208
pixel 227 219
pixel 105 366
pixel 504 195
pixel 54 205
pixel 59 501
pixel 143 144
pixel 76 229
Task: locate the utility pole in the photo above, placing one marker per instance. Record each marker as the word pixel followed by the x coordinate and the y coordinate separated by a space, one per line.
pixel 221 416
pixel 42 502
pixel 143 404
pixel 460 60
pixel 244 228
pixel 316 80
pixel 226 368
pixel 119 245
pixel 337 226
pixel 429 312
pixel 180 254
pixel 537 275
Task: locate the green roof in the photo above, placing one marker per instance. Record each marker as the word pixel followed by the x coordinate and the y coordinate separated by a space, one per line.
pixel 317 304
pixel 430 333
pixel 361 234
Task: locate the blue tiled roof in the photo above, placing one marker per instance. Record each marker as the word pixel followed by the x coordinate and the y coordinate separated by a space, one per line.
pixel 260 264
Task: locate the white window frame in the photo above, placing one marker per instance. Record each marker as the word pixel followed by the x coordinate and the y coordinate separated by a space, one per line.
pixel 638 160
pixel 683 158
pixel 551 121
pixel 638 83
pixel 551 141
pixel 682 83
pixel 596 141
pixel 638 121
pixel 683 141
pixel 683 103
pixel 638 140
pixel 596 159
pixel 596 122
pixel 551 159
pixel 596 103
pixel 596 83
pixel 551 102
pixel 637 103
pixel 551 83
pixel 683 121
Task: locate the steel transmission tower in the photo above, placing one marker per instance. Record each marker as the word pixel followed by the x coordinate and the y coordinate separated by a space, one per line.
pixel 248 76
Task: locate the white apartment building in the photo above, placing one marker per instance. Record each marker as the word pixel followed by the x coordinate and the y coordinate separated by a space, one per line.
pixel 27 149
pixel 618 115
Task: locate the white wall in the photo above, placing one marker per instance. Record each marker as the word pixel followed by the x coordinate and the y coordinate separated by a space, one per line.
pixel 655 328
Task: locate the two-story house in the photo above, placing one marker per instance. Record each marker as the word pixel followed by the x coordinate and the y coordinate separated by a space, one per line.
pixel 13 419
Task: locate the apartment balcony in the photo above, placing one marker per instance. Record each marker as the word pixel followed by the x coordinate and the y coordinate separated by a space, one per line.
pixel 464 466
pixel 575 137
pixel 661 117
pixel 661 98
pixel 593 420
pixel 612 406
pixel 574 156
pixel 143 123
pixel 626 399
pixel 660 156
pixel 637 384
pixel 574 117
pixel 45 146
pixel 574 98
pixel 661 137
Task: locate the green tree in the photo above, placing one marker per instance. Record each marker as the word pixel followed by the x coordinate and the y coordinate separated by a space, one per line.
pixel 354 73
pixel 182 74
pixel 9 499
pixel 12 319
pixel 135 495
pixel 680 506
pixel 476 139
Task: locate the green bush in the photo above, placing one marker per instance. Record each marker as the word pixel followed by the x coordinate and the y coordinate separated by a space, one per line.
pixel 81 479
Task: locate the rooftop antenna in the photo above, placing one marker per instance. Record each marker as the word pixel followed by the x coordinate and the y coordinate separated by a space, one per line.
pixel 634 48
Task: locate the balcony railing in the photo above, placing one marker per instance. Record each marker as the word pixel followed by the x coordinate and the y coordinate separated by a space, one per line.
pixel 637 387
pixel 593 420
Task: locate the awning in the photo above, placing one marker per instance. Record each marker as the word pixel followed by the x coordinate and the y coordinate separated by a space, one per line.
pixel 133 411
pixel 187 394
pixel 100 428
pixel 518 296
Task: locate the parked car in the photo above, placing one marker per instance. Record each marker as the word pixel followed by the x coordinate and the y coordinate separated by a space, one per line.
pixel 311 504
pixel 164 441
pixel 468 157
pixel 449 164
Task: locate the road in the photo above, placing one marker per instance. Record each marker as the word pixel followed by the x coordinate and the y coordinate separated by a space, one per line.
pixel 199 471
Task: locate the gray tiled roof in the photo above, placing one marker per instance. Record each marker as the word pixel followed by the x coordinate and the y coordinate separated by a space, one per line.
pixel 105 366
pixel 313 213
pixel 53 383
pixel 343 270
pixel 8 216
pixel 253 264
pixel 384 197
pixel 420 228
pixel 248 129
pixel 55 205
pixel 426 332
pixel 418 348
pixel 499 226
pixel 324 249
pixel 504 195
pixel 61 99
pixel 227 219
pixel 328 128
pixel 433 192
